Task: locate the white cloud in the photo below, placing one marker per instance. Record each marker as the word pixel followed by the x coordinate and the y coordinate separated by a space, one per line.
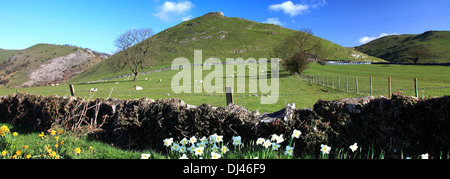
pixel 170 10
pixel 364 40
pixel 189 17
pixel 274 20
pixel 290 8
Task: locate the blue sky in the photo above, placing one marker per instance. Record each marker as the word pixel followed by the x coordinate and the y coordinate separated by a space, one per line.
pixel 95 24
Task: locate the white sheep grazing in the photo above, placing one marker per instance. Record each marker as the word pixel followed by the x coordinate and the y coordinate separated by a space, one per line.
pixel 160 80
pixel 138 88
pixel 93 90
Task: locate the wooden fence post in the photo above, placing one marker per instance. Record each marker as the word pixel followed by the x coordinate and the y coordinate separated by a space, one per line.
pixel 229 95
pixel 371 94
pixel 356 81
pixel 416 88
pixel 72 90
pixel 346 82
pixel 389 88
pixel 339 82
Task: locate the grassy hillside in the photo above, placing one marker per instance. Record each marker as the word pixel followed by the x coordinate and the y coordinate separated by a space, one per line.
pixel 5 54
pixel 218 36
pixel 395 48
pixel 17 69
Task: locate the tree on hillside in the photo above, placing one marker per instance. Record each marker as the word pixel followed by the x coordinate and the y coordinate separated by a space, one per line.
pixel 298 50
pixel 133 54
pixel 419 52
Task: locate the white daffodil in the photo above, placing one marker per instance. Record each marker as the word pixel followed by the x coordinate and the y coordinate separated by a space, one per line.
pixel 424 156
pixel 145 156
pixel 184 156
pixel 193 140
pixel 289 150
pixel 199 151
pixel 224 149
pixel 168 142
pixel 215 155
pixel 267 144
pixel 296 133
pixel 354 147
pixel 260 141
pixel 325 149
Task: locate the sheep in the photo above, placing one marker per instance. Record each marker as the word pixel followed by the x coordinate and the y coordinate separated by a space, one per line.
pixel 160 80
pixel 93 90
pixel 138 88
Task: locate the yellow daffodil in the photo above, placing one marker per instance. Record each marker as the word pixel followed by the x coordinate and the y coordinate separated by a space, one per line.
pixel 25 147
pixel 15 134
pixel 77 150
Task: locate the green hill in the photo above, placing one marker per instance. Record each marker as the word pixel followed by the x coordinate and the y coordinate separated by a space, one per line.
pixel 395 48
pixel 44 64
pixel 218 36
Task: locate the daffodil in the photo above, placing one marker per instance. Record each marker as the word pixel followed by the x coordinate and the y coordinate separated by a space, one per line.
pixel 41 135
pixel 215 155
pixel 267 144
pixel 25 147
pixel 224 149
pixel 260 141
pixel 275 146
pixel 424 156
pixel 278 138
pixel 52 133
pixel 192 149
pixel 201 144
pixel 184 156
pixel 193 140
pixel 354 147
pixel 175 147
pixel 237 140
pixel 204 139
pixel 145 156
pixel 325 149
pixel 199 150
pixel 215 148
pixel 15 134
pixel 184 141
pixel 182 149
pixel 78 150
pixel 168 142
pixel 4 152
pixel 289 150
pixel 296 133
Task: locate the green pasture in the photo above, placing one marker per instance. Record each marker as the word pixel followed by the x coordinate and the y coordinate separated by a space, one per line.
pixel 292 88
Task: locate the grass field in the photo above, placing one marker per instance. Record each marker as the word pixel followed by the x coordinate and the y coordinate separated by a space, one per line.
pixel 292 89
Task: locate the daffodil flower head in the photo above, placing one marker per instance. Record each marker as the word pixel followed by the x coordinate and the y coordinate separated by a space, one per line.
pixel 275 146
pixel 237 140
pixel 145 156
pixel 193 140
pixel 182 149
pixel 204 139
pixel 296 133
pixel 325 149
pixel 267 144
pixel 289 150
pixel 354 147
pixel 224 149
pixel 199 150
pixel 424 156
pixel 215 148
pixel 184 156
pixel 215 155
pixel 184 141
pixel 175 147
pixel 260 141
pixel 168 142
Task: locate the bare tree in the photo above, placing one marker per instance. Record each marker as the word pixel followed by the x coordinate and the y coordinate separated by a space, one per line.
pixel 419 52
pixel 298 50
pixel 134 55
